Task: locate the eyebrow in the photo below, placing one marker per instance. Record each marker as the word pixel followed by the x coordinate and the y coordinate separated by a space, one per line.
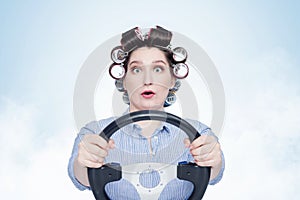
pixel 154 62
pixel 159 61
pixel 135 62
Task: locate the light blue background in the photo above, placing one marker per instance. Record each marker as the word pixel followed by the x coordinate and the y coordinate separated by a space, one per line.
pixel 254 45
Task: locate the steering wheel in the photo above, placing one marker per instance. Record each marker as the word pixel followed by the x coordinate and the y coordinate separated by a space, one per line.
pixel 99 177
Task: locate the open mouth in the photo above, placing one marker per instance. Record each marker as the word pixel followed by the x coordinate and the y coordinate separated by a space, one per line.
pixel 148 94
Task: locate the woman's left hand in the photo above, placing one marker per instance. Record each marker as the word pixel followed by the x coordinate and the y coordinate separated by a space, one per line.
pixel 207 152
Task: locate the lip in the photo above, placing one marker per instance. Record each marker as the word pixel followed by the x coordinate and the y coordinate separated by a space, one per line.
pixel 147 94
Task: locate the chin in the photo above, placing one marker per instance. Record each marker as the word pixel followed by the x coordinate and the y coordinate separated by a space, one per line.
pixel 155 107
pixel 150 106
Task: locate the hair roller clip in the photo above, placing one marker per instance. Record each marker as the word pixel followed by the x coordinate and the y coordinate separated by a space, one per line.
pixel 180 70
pixel 139 33
pixel 118 55
pixel 117 71
pixel 179 54
pixel 119 85
pixel 176 86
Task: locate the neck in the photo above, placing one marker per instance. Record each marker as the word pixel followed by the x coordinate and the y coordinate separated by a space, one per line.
pixel 148 126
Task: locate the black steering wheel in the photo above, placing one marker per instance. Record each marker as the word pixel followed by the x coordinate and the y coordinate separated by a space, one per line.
pixel 199 176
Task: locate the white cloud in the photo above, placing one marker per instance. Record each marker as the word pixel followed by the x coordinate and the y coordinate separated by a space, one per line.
pixel 261 135
pixel 33 166
pixel 16 144
pixel 49 171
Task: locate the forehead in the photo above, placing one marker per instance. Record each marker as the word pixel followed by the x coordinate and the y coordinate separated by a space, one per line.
pixel 147 55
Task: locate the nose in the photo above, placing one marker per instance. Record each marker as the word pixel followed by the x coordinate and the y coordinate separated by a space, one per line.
pixel 148 78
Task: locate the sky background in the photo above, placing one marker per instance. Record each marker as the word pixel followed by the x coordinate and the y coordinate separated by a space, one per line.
pixel 255 48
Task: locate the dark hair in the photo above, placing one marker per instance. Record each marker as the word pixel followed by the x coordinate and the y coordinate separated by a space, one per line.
pixel 157 37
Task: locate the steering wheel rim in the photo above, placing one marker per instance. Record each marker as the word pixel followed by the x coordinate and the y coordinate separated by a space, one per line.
pixel 108 131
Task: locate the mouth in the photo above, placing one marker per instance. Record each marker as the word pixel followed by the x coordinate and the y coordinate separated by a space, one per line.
pixel 148 94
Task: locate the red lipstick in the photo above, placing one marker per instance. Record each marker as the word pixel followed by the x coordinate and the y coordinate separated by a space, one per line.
pixel 148 94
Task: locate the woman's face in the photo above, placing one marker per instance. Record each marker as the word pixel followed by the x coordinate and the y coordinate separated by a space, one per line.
pixel 148 79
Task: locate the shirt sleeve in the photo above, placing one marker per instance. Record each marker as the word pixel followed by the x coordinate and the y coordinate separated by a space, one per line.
pixel 220 175
pixel 89 128
pixel 94 127
pixel 205 130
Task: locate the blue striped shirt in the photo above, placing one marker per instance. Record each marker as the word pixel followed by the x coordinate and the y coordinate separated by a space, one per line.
pixel 132 147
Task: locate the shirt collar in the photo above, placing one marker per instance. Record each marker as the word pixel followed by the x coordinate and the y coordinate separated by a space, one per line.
pixel 135 129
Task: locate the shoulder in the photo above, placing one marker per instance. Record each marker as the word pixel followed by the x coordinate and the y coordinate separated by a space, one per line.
pixel 96 126
pixel 203 129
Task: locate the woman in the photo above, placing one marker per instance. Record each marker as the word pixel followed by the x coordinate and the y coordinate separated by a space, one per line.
pixel 148 73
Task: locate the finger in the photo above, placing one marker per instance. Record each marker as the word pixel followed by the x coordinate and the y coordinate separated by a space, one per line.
pixel 209 163
pixel 91 164
pixel 215 155
pixel 206 148
pixel 111 144
pixel 93 149
pixel 95 139
pixel 97 151
pixel 85 162
pixel 97 159
pixel 84 154
pixel 187 142
pixel 202 140
pixel 203 157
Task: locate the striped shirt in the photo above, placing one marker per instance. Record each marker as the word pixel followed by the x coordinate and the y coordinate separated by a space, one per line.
pixel 165 146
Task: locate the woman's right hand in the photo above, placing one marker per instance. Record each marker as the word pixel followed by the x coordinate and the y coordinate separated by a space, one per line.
pixel 92 150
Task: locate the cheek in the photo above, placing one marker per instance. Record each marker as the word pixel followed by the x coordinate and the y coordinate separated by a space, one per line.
pixel 163 91
pixel 131 85
pixel 132 80
pixel 166 81
pixel 127 82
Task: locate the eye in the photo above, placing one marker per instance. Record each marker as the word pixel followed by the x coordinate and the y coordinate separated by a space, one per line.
pixel 136 70
pixel 158 69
